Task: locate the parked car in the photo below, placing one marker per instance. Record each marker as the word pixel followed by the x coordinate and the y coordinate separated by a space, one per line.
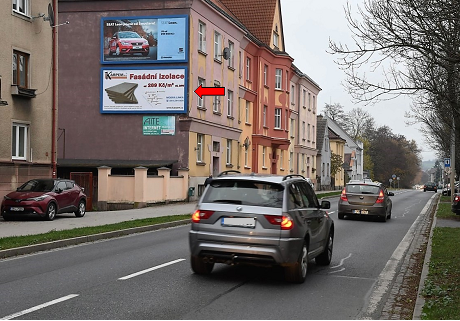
pixel 128 42
pixel 46 198
pixel 430 186
pixel 456 204
pixel 446 190
pixel 261 220
pixel 365 199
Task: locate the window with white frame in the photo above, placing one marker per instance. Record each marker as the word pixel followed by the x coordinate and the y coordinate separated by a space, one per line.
pixel 291 161
pixel 229 151
pixel 21 7
pixel 20 141
pixel 278 118
pixel 265 116
pixel 231 49
pixel 308 132
pixel 292 94
pixel 216 101
pixel 265 75
pixel 229 103
pixel 20 69
pixel 278 78
pixel 248 68
pixel 246 156
pixel 248 114
pixel 201 36
pixel 292 128
pixel 264 151
pixel 276 38
pixel 199 147
pixel 200 101
pixel 217 46
pixel 303 130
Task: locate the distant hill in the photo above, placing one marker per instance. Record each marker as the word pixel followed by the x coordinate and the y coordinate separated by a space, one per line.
pixel 426 165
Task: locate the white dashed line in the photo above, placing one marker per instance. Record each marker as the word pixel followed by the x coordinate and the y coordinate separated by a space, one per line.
pixel 151 269
pixel 38 307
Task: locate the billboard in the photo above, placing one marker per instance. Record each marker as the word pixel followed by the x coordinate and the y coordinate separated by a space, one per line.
pixel 159 125
pixel 144 90
pixel 152 39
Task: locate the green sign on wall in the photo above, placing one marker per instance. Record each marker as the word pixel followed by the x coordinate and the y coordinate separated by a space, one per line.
pixel 159 125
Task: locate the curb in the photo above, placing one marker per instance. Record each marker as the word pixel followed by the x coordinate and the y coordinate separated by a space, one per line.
pixel 85 239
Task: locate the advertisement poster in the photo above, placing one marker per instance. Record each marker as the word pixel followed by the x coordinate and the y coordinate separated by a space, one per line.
pixel 148 90
pixel 159 125
pixel 155 39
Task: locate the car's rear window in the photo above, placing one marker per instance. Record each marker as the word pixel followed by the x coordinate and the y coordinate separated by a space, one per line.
pixel 245 193
pixel 362 189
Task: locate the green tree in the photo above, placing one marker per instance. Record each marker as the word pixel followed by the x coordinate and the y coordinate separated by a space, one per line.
pixel 336 164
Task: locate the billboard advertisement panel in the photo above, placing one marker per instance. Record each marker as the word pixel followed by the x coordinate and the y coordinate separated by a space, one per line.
pixel 152 39
pixel 144 90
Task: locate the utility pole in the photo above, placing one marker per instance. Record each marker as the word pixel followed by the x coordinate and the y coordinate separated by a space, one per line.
pixel 452 163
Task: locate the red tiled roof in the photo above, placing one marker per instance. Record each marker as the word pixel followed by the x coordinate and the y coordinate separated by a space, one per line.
pixel 223 7
pixel 256 15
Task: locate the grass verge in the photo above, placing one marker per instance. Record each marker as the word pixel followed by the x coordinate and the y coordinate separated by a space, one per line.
pixel 19 241
pixel 326 195
pixel 442 285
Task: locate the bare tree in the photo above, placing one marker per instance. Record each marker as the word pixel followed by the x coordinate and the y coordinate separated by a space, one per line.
pixel 336 113
pixel 359 122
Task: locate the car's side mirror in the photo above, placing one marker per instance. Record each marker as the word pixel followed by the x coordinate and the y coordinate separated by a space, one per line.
pixel 325 205
pixel 391 194
pixel 58 190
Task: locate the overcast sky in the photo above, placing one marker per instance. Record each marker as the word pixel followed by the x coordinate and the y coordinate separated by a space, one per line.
pixel 308 25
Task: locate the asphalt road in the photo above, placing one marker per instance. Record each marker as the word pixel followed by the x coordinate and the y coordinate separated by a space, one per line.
pixel 147 276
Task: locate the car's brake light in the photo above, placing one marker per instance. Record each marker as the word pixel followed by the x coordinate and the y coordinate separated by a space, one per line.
pixel 343 196
pixel 381 197
pixel 201 214
pixel 285 221
pixel 456 198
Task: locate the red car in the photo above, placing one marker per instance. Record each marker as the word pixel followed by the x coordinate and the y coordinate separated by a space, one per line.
pixel 128 43
pixel 46 198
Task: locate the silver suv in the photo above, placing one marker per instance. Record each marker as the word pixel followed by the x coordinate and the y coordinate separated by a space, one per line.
pixel 261 220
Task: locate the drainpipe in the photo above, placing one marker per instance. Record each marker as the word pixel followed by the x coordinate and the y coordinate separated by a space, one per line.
pixel 53 127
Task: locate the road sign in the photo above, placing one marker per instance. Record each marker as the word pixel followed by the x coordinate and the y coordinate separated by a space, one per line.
pixel 446 162
pixel 393 176
pixel 390 180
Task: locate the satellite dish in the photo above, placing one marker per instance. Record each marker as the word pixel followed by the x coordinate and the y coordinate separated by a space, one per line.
pixel 50 17
pixel 226 53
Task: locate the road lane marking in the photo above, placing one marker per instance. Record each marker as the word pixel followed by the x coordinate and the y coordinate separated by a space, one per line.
pixel 151 269
pixel 341 262
pixel 38 307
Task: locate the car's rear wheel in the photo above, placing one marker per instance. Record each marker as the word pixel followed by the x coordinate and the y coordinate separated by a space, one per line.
pixel 297 273
pixel 383 218
pixel 50 212
pixel 81 209
pixel 341 216
pixel 326 256
pixel 199 266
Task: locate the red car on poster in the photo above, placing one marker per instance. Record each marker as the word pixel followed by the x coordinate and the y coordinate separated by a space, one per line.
pixel 128 43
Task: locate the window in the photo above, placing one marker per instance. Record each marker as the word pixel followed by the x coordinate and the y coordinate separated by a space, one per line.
pixel 199 148
pixel 229 151
pixel 326 144
pixel 281 158
pixel 286 120
pixel 275 39
pixel 216 101
pixel 308 132
pixel 313 134
pixel 265 74
pixel 201 36
pixel 229 103
pixel 265 116
pixel 217 46
pixel 264 151
pixel 291 161
pixel 231 48
pixel 278 78
pixel 278 118
pixel 20 69
pixel 216 147
pixel 200 102
pixel 292 94
pixel 22 7
pixel 303 130
pixel 240 64
pixel 303 98
pixel 20 139
pixel 248 68
pixel 309 101
pixel 287 80
pixel 246 157
pixel 303 162
pixel 247 112
pixel 314 104
pixel 292 128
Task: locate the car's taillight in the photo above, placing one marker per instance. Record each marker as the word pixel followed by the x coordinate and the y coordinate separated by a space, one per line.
pixel 456 198
pixel 343 196
pixel 201 214
pixel 285 221
pixel 381 197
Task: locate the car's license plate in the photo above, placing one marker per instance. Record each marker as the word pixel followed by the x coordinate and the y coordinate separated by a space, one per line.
pixel 360 211
pixel 239 221
pixel 17 209
pixel 137 47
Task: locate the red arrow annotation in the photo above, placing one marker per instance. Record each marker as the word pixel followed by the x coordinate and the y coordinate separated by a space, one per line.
pixel 210 91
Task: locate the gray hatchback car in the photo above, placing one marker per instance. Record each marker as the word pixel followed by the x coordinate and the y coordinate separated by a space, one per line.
pixel 261 220
pixel 365 199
